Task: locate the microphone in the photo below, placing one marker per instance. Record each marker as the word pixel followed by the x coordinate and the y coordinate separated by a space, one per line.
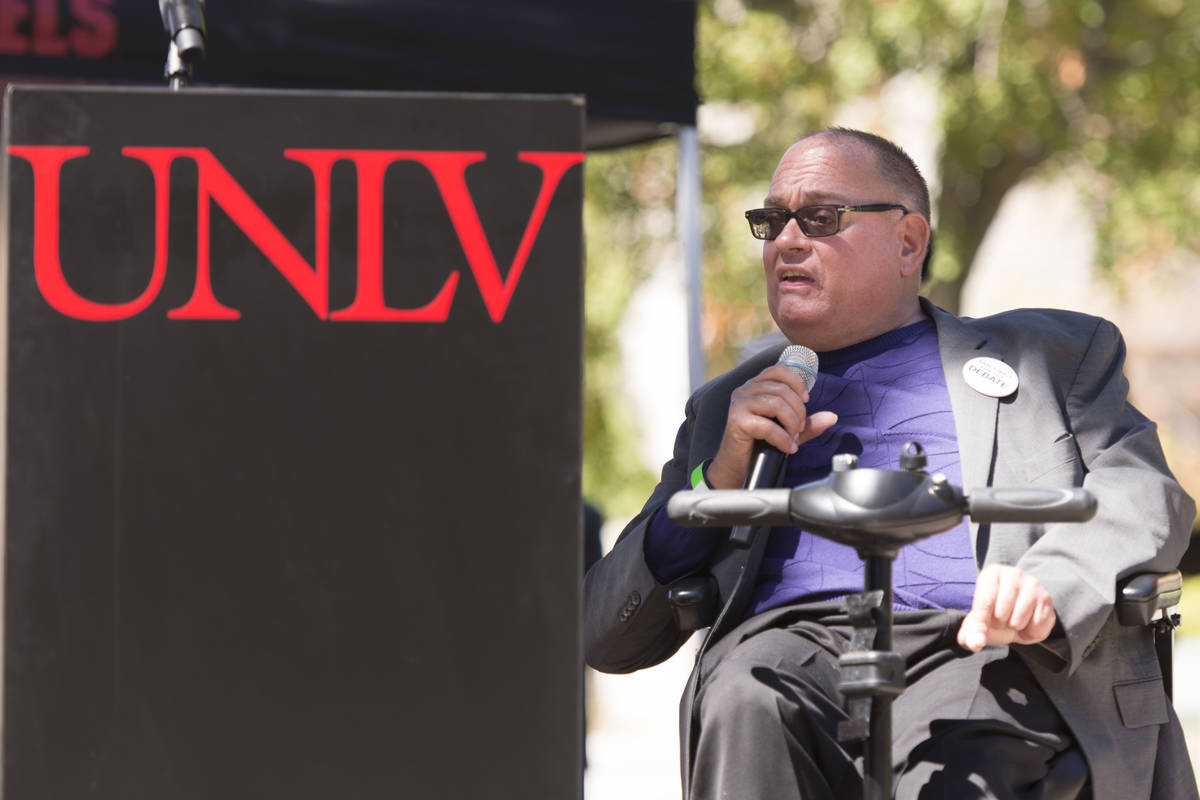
pixel 766 463
pixel 184 21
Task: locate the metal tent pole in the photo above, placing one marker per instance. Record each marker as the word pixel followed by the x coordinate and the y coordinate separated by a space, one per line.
pixel 691 239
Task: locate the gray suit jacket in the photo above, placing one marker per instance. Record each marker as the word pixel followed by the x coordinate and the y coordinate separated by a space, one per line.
pixel 1068 424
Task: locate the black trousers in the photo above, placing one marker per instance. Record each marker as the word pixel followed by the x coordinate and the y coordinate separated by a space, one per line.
pixel 967 726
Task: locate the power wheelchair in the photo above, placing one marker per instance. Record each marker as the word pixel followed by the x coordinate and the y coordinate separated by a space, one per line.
pixel 877 512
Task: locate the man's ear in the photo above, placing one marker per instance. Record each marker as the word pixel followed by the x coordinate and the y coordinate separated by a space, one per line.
pixel 914 239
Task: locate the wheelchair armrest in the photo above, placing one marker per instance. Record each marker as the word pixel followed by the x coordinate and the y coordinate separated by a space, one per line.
pixel 1140 597
pixel 694 601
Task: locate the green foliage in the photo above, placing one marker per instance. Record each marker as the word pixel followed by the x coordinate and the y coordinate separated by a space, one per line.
pixel 623 190
pixel 1109 89
pixel 1021 85
pixel 1189 607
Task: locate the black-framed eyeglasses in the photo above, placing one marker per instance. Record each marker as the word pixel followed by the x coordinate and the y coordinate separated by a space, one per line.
pixel 814 221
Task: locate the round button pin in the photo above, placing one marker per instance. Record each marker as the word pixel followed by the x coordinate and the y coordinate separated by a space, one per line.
pixel 990 376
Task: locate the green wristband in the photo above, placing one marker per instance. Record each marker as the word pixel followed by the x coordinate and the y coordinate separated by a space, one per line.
pixel 698 481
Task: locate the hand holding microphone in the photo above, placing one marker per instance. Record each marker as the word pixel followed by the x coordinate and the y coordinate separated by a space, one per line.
pixel 768 420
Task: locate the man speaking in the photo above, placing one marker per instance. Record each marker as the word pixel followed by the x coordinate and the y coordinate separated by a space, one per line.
pixel 1021 683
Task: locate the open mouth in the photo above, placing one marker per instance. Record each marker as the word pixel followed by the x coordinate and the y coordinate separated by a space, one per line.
pixel 794 277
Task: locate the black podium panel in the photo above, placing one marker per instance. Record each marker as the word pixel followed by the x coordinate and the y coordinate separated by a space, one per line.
pixel 292 449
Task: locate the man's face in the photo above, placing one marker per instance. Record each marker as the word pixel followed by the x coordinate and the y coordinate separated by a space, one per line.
pixel 835 291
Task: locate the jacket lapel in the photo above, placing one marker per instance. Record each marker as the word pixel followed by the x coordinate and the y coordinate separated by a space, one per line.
pixel 974 412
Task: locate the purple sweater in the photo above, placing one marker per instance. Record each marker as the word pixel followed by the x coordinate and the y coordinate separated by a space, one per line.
pixel 886 391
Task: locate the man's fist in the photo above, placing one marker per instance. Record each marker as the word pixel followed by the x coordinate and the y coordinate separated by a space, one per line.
pixel 1009 606
pixel 769 407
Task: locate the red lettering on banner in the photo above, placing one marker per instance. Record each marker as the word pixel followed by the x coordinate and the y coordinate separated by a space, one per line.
pixel 97 36
pixel 46 39
pixel 12 14
pixel 311 281
pixel 90 33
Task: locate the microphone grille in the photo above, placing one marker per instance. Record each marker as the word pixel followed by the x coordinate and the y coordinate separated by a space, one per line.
pixel 803 361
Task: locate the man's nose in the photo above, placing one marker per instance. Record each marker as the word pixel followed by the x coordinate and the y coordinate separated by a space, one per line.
pixel 791 237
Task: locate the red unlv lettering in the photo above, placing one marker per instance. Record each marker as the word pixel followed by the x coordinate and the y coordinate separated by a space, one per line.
pixel 311 281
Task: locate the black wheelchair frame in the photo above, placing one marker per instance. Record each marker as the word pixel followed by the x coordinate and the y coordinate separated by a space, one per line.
pixel 877 512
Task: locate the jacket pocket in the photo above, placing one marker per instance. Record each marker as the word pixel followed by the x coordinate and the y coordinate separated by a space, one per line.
pixel 1058 465
pixel 1142 702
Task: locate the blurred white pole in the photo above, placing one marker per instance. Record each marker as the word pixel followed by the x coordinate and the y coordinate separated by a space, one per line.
pixel 691 239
